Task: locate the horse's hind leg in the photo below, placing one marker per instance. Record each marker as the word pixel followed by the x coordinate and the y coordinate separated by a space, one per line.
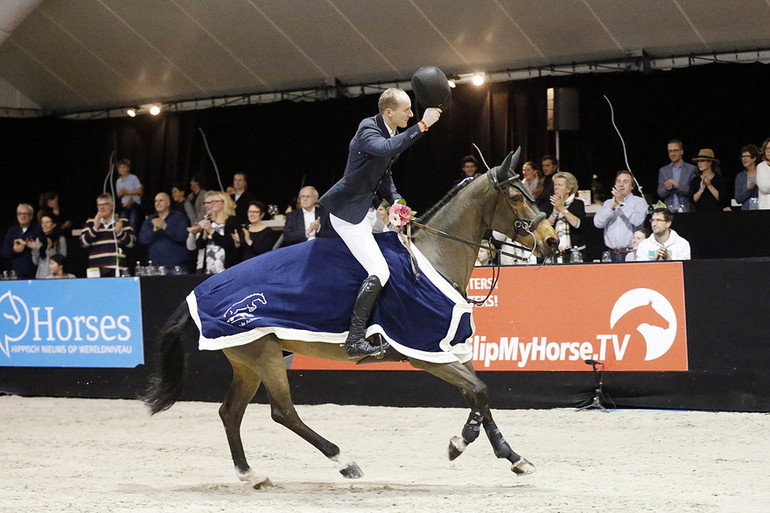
pixel 267 361
pixel 242 389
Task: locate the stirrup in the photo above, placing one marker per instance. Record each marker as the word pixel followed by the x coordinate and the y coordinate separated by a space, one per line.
pixel 363 348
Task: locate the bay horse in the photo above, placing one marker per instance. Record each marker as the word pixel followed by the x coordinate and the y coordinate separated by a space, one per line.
pixel 498 201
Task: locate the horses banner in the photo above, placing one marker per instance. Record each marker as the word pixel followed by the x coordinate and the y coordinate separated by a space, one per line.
pixel 629 317
pixel 71 323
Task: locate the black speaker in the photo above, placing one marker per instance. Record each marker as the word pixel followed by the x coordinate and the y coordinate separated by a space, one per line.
pixel 566 112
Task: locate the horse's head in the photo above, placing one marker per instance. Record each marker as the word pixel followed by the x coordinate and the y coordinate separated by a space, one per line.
pixel 516 214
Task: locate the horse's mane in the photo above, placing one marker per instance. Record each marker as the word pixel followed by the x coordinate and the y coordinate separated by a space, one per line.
pixel 454 191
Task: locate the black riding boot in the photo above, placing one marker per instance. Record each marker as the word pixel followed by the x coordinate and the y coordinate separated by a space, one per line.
pixel 356 344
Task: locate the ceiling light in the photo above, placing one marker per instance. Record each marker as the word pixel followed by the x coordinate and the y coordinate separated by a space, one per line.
pixel 478 79
pixel 155 110
pixel 131 112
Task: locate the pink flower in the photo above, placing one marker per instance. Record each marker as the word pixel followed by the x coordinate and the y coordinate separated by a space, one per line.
pixel 399 215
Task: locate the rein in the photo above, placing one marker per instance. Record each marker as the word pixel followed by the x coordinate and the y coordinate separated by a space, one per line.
pixel 495 268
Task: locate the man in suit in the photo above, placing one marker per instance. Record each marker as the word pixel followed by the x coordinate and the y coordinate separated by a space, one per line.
pixel 352 201
pixel 242 197
pixel 674 179
pixel 16 247
pixel 303 224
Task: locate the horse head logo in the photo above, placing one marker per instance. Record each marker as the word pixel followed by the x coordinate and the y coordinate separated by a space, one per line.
pixel 14 322
pixel 241 312
pixel 653 316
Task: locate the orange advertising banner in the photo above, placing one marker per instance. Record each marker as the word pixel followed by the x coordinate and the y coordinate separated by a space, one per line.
pixel 554 318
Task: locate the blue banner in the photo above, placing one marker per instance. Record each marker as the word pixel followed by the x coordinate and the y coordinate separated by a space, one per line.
pixel 71 323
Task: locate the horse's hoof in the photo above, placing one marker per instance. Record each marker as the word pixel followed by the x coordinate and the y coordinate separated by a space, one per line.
pixel 265 483
pixel 351 471
pixel 522 467
pixel 456 447
pixel 254 480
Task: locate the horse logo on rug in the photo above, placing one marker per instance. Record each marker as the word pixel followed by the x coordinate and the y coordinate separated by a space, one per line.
pixel 15 319
pixel 652 315
pixel 240 313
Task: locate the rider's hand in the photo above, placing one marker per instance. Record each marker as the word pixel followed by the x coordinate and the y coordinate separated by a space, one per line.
pixel 431 116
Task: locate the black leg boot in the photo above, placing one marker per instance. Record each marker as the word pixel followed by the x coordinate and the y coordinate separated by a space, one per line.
pixel 356 345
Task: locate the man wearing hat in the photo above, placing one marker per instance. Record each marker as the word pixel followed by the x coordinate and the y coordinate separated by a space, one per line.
pixel 708 189
pixel 351 201
pixel 674 179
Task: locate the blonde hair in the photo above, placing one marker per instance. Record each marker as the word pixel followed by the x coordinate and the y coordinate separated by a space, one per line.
pixel 570 180
pixel 228 205
pixel 391 98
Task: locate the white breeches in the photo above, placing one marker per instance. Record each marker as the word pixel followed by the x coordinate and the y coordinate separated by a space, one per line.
pixel 360 241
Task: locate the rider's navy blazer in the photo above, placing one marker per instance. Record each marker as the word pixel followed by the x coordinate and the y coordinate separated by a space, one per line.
pixel 371 154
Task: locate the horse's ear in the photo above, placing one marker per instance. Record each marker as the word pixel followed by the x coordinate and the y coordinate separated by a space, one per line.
pixel 507 169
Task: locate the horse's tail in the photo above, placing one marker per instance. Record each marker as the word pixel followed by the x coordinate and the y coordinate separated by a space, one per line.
pixel 166 384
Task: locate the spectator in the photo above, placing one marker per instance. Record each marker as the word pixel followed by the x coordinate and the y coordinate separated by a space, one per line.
pixel 664 243
pixel 49 202
pixel 56 267
pixel 674 179
pixel 197 196
pixel 107 236
pixel 303 223
pixel 382 222
pixel 470 168
pixel 568 213
pixel 15 247
pixel 257 238
pixel 181 204
pixel 746 192
pixel 533 178
pixel 707 190
pixel 550 166
pixel 242 197
pixel 485 257
pixel 50 242
pixel 620 216
pixel 215 234
pixel 165 232
pixel 129 190
pixel 639 236
pixel 763 177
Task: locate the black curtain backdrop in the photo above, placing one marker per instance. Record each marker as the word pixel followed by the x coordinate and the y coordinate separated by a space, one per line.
pixel 282 146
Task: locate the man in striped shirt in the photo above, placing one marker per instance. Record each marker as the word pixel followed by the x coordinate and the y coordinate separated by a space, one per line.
pixel 106 237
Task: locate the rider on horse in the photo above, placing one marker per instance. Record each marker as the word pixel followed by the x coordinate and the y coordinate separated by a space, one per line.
pixel 351 202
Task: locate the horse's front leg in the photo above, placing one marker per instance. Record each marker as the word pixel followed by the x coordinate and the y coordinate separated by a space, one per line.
pixel 519 464
pixel 476 394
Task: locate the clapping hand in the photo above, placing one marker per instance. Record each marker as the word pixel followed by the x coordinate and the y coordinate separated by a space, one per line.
pixel 558 203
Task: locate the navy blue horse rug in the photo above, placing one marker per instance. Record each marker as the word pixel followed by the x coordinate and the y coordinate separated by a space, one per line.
pixel 306 292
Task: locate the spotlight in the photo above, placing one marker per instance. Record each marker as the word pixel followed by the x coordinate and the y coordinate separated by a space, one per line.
pixel 452 83
pixel 478 79
pixel 131 112
pixel 155 110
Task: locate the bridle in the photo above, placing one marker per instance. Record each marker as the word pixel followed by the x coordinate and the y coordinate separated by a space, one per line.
pixel 522 227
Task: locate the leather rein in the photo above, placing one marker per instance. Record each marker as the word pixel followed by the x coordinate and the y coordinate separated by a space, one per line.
pixel 521 226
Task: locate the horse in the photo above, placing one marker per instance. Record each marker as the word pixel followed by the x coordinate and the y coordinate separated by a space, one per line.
pixel 497 200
